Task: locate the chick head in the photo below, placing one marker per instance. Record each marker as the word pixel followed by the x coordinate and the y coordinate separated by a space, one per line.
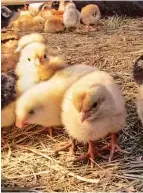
pixel 138 70
pixel 27 39
pixel 28 108
pixel 70 6
pixel 35 53
pixel 94 103
pixel 39 23
pixel 41 56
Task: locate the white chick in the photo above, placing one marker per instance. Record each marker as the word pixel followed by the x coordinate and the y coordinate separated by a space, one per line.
pixel 27 39
pixel 54 24
pixel 37 63
pixel 34 8
pixel 138 77
pixel 71 16
pixel 8 98
pixel 92 108
pixel 90 15
pixel 42 103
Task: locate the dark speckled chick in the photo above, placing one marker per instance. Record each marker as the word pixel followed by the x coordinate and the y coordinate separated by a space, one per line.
pixel 8 97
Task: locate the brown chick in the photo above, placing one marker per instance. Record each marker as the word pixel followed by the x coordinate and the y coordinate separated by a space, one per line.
pixel 54 24
pixel 37 63
pixel 90 15
pixel 92 108
pixel 138 77
pixel 42 103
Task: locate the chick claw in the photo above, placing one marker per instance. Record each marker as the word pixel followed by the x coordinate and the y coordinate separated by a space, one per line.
pixel 113 147
pixel 92 153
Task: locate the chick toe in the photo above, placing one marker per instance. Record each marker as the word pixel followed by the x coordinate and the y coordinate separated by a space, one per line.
pixel 113 147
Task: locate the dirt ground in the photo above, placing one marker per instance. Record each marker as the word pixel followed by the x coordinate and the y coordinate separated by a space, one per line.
pixel 27 154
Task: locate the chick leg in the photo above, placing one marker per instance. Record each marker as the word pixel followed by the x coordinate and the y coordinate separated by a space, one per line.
pixel 113 147
pixel 71 145
pixel 92 153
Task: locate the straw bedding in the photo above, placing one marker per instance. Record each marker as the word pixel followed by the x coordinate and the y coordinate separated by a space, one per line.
pixel 27 154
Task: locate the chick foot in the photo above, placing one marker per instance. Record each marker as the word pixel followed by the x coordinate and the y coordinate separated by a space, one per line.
pixel 92 28
pixel 91 154
pixel 113 147
pixel 71 145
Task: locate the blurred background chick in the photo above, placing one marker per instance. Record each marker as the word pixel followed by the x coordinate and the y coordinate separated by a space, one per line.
pixel 71 16
pixel 93 108
pixel 90 15
pixel 54 24
pixel 138 77
pixel 41 104
pixel 8 98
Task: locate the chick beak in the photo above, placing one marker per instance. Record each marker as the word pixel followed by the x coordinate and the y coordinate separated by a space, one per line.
pixel 40 60
pixel 20 123
pixel 84 116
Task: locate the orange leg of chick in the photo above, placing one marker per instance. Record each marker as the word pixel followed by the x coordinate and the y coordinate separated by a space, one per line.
pixel 92 28
pixel 92 153
pixel 113 147
pixel 71 145
pixel 50 130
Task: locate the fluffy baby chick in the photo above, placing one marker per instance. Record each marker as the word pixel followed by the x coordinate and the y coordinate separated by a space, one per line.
pixel 28 23
pixel 27 39
pixel 37 63
pixel 54 24
pixel 90 15
pixel 8 97
pixel 42 103
pixel 71 16
pixel 94 107
pixel 138 77
pixel 34 8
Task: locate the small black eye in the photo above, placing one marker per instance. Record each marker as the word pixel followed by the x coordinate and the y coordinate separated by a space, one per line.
pixel 45 56
pixel 94 105
pixel 31 112
pixel 29 59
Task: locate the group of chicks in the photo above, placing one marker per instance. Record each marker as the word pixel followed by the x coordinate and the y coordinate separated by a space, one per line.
pixel 48 92
pixel 44 18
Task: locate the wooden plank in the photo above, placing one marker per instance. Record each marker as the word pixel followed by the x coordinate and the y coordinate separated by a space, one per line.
pixel 19 2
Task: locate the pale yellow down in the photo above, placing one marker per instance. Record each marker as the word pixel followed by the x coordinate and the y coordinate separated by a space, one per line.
pixel 108 117
pixel 46 97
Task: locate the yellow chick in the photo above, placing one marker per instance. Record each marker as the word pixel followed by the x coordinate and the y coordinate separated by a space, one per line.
pixel 54 24
pixel 71 16
pixel 45 14
pixel 27 39
pixel 92 108
pixel 28 23
pixel 37 63
pixel 42 103
pixel 138 77
pixel 90 15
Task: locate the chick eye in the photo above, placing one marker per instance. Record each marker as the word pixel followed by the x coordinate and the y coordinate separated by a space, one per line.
pixel 94 105
pixel 45 56
pixel 29 59
pixel 31 112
